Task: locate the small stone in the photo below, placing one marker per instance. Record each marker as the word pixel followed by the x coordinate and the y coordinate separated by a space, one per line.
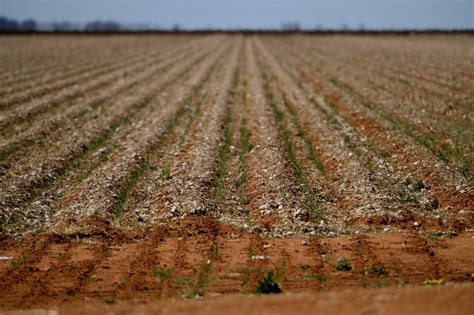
pixel 416 224
pixel 260 257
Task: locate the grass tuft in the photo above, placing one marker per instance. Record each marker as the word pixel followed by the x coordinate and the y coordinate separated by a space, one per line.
pixel 162 272
pixel 268 284
pixel 343 264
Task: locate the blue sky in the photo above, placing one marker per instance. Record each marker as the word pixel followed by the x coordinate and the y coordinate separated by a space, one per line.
pixel 373 14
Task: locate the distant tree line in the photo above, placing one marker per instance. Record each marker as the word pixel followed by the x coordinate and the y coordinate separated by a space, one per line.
pixel 102 26
pixel 7 24
pixel 12 25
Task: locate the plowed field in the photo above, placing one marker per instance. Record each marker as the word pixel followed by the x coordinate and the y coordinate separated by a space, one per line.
pixel 162 167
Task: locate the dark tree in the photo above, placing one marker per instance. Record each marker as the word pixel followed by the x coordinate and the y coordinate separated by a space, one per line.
pixel 290 26
pixel 102 26
pixel 7 24
pixel 28 25
pixel 62 26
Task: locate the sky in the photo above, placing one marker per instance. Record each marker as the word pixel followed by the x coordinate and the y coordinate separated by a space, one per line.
pixel 262 14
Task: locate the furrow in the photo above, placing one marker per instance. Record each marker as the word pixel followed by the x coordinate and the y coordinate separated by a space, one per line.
pixel 118 116
pixel 82 109
pixel 406 172
pixel 29 111
pixel 188 191
pixel 263 170
pixel 101 193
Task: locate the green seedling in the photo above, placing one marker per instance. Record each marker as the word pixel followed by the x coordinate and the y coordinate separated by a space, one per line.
pixel 268 284
pixel 438 234
pixel 163 273
pixel 343 264
pixel 18 262
pixel 322 278
pixel 433 282
pixel 378 271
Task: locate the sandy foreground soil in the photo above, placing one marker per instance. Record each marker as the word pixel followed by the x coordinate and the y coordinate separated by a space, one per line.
pixel 416 300
pixel 176 174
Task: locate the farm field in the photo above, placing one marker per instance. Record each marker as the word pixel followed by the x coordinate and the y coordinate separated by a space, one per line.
pixel 154 168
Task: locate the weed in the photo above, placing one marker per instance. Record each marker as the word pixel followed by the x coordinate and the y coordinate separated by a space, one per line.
pixel 194 294
pixel 246 273
pixel 304 266
pixel 203 279
pixel 433 282
pixel 251 251
pixel 438 234
pixel 223 155
pixel 184 281
pixel 322 278
pixel 138 173
pixel 44 281
pixel 166 173
pixel 245 148
pixel 377 270
pixel 384 153
pixel 268 284
pixel 313 205
pixel 418 185
pixel 90 278
pixel 407 197
pixel 125 279
pixel 18 262
pixel 216 252
pixel 134 178
pixel 105 251
pixel 195 287
pixel 162 272
pixel 465 169
pixel 432 205
pixel 343 264
pixel 444 152
pixel 309 145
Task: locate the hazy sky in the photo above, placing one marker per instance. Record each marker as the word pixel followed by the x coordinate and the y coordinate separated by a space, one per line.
pixel 252 14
